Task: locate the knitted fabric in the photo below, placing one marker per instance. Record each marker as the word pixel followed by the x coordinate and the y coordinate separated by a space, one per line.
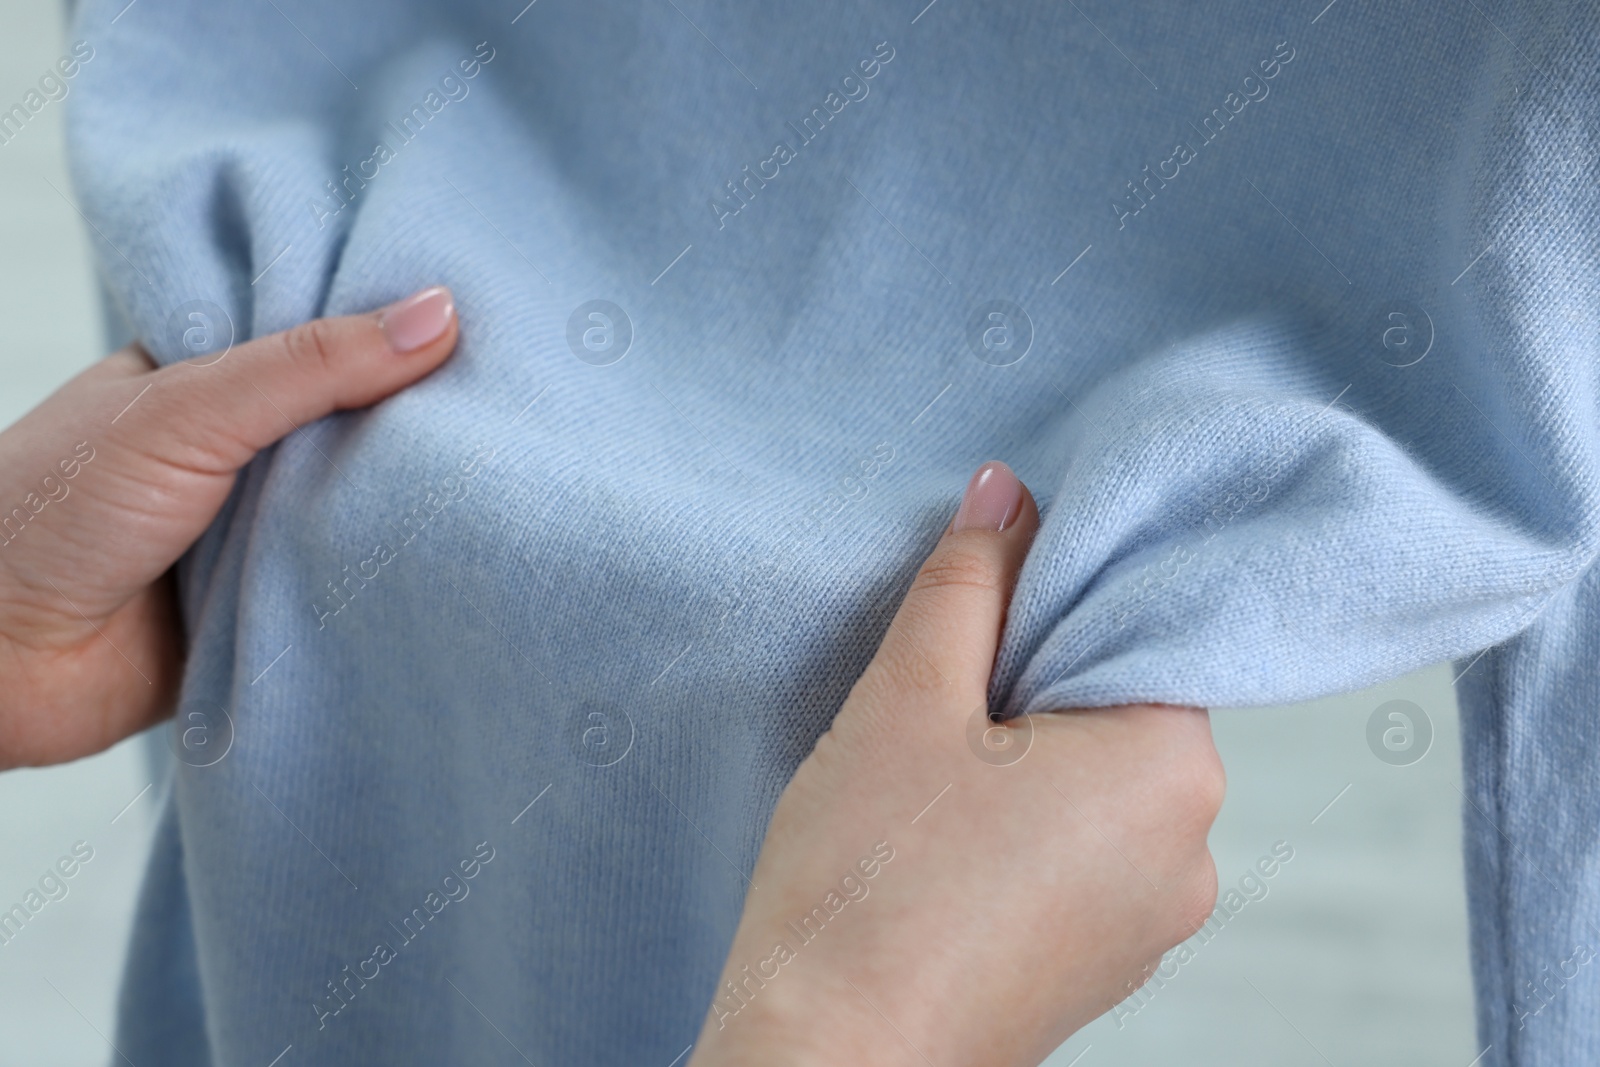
pixel 1288 318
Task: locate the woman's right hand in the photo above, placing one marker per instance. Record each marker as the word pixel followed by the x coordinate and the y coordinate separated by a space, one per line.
pixel 919 899
pixel 103 487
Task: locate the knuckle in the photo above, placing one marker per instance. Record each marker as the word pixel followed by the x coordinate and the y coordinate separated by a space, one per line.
pixel 958 567
pixel 1205 783
pixel 1198 899
pixel 1190 772
pixel 312 347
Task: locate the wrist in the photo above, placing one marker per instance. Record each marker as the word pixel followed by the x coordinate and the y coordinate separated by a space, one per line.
pixel 798 1020
pixel 758 1037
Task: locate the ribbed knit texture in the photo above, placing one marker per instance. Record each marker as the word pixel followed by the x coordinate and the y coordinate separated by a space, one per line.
pixel 1255 491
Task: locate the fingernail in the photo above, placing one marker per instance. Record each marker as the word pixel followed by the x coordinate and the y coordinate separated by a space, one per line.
pixel 993 500
pixel 418 320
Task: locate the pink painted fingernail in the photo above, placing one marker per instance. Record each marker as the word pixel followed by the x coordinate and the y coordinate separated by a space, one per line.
pixel 418 320
pixel 993 500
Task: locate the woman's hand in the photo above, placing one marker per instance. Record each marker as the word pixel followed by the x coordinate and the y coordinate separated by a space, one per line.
pixel 105 484
pixel 926 897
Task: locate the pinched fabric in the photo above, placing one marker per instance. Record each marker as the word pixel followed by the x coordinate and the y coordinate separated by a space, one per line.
pixel 1288 317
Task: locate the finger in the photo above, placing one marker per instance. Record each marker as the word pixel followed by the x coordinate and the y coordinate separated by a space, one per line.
pixel 218 413
pixel 947 630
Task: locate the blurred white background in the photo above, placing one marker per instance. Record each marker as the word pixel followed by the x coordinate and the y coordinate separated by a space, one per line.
pixel 1357 955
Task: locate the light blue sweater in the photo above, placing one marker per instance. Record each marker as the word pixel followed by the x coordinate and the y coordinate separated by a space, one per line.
pixel 1289 317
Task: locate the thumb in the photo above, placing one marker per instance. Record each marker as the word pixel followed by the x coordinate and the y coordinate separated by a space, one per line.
pixel 946 633
pixel 219 412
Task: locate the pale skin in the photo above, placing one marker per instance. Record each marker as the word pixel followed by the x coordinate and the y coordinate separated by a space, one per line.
pixel 1026 901
pixel 90 645
pixel 1015 909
